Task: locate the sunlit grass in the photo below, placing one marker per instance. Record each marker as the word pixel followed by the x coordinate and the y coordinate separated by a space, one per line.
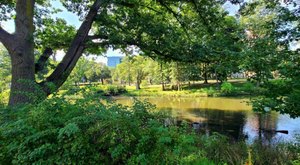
pixel 194 89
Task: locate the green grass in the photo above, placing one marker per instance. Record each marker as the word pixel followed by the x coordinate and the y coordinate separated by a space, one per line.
pixel 197 89
pixel 240 87
pixel 155 90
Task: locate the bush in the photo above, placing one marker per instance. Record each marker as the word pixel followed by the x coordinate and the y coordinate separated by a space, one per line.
pixel 221 150
pixel 248 87
pixel 227 88
pixel 85 131
pixel 112 90
pixel 211 91
pixel 88 132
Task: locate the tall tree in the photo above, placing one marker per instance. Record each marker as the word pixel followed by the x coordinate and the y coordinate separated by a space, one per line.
pixel 260 43
pixel 269 42
pixel 132 68
pixel 20 46
pixel 168 29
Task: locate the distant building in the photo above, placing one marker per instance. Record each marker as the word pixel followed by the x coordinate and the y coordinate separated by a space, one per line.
pixel 114 61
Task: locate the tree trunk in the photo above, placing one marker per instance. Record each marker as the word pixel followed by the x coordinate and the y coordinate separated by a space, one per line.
pixel 23 85
pixel 20 46
pixel 178 86
pixel 138 81
pixel 205 78
pixel 137 86
pixel 102 81
pixel 23 81
pixel 205 74
pixel 162 77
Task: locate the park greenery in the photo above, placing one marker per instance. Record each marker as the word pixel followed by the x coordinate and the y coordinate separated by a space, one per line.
pixel 52 112
pixel 84 130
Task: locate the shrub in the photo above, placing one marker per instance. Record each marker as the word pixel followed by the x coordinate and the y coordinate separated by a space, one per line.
pixel 227 88
pixel 85 131
pixel 248 87
pixel 211 91
pixel 277 154
pixel 88 132
pixel 112 90
pixel 221 150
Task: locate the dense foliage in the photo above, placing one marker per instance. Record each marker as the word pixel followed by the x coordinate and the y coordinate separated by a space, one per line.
pixel 187 41
pixel 190 40
pixel 272 28
pixel 89 70
pixel 64 130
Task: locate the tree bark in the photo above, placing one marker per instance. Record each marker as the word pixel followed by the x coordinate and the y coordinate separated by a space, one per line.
pixel 7 39
pixel 178 86
pixel 205 74
pixel 138 80
pixel 137 86
pixel 22 55
pixel 39 66
pixel 162 77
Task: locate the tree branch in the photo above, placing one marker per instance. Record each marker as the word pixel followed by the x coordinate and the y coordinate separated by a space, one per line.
pixel 139 44
pixel 175 15
pixel 39 66
pixel 98 36
pixel 132 5
pixel 208 27
pixel 6 39
pixel 64 68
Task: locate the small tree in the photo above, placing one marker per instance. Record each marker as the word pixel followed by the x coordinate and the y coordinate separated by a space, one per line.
pixel 131 68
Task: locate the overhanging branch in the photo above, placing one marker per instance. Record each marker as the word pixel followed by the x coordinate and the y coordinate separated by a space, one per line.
pixel 6 39
pixel 98 36
pixel 64 68
pixel 39 66
pixel 208 27
pixel 133 5
pixel 175 15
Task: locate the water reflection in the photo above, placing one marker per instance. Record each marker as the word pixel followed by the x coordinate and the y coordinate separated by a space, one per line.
pixel 226 122
pixel 229 116
pixel 264 126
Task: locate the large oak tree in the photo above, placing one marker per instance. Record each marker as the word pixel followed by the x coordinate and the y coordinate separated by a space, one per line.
pixel 168 29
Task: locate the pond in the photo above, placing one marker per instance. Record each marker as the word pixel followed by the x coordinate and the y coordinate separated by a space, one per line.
pixel 229 116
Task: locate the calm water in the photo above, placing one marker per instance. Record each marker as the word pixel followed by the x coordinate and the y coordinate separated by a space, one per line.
pixel 230 116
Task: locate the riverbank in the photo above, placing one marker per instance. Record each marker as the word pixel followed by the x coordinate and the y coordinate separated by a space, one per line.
pixel 232 88
pixel 58 130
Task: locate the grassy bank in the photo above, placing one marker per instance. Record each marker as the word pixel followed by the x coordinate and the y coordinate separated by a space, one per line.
pixel 198 89
pixel 232 88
